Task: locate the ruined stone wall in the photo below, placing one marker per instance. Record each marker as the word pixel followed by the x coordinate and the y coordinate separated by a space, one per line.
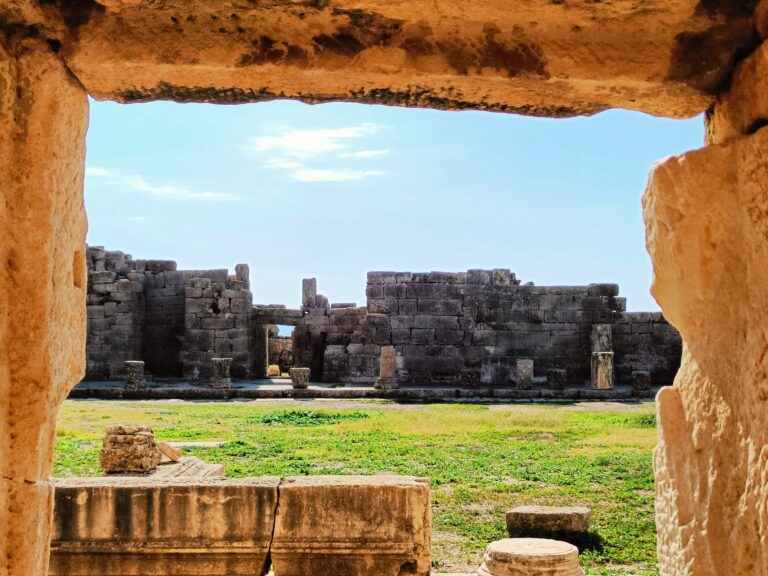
pixel 276 346
pixel 471 327
pixel 136 311
pixel 217 319
pixel 116 312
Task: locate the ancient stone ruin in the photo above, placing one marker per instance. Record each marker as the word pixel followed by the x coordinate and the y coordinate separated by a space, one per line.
pixel 705 210
pixel 470 329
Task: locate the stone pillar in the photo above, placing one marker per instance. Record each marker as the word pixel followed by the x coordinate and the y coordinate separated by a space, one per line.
pixel 299 377
pixel 220 373
pixel 387 367
pixel 706 216
pixel 601 361
pixel 309 292
pixel 524 379
pixel 521 556
pixel 44 115
pixel 602 370
pixel 134 375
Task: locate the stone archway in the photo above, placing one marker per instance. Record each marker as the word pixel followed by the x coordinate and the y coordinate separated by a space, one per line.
pixel 706 211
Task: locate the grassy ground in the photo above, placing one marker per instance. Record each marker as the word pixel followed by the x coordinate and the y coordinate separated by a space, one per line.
pixel 481 459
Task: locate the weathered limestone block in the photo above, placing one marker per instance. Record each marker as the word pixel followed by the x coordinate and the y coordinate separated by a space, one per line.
pixel 129 448
pixel 300 377
pixel 528 556
pixel 524 379
pixel 667 59
pixel 602 338
pixel 134 375
pixel 707 223
pixel 557 378
pixel 602 370
pixel 220 373
pixel 568 523
pixel 169 527
pixel 309 292
pixel 387 369
pixel 745 105
pixel 44 113
pixel 353 526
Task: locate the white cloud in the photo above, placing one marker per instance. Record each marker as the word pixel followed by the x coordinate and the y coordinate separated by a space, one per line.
pixel 173 191
pixel 330 175
pixel 365 153
pixel 314 142
pixel 283 163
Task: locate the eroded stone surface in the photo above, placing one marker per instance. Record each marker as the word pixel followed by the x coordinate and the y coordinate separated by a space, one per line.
pixel 353 525
pixel 42 325
pixel 129 449
pixel 527 556
pixel 173 527
pixel 546 58
pixel 569 523
pixel 707 224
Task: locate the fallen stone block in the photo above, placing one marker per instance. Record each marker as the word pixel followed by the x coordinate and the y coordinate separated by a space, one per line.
pixel 353 526
pixel 129 448
pixel 568 523
pixel 152 527
pixel 171 452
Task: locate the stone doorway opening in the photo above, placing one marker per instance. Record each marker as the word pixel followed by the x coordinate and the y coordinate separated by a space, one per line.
pixel 281 354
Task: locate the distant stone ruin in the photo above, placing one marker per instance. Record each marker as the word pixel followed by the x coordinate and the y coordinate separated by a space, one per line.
pixel 480 328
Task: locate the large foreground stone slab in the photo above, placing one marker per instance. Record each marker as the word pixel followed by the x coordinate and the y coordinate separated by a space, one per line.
pixel 151 527
pixel 353 526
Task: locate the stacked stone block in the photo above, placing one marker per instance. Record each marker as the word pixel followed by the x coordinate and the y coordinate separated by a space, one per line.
pixel 217 321
pixel 115 308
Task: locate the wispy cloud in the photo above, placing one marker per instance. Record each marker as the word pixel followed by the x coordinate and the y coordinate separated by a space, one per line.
pixel 302 152
pixel 315 142
pixel 171 191
pixel 330 175
pixel 365 153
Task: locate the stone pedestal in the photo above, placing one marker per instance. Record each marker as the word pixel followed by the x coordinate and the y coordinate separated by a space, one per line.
pixel 387 366
pixel 129 449
pixel 220 373
pixel 602 370
pixel 527 556
pixel 568 523
pixel 524 379
pixel 641 379
pixel 557 378
pixel 134 375
pixel 602 338
pixel 300 378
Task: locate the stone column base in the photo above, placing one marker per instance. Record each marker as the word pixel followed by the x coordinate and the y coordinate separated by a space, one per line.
pixel 385 384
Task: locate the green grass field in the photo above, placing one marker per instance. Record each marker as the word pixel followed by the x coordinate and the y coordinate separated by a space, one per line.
pixel 481 460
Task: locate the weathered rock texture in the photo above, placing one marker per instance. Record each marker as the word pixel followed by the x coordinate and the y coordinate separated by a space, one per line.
pixel 44 114
pixel 129 449
pixel 175 527
pixel 546 58
pixel 528 556
pixel 707 221
pixel 351 526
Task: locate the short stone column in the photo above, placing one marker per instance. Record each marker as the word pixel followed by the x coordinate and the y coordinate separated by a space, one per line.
pixel 220 373
pixel 557 378
pixel 525 556
pixel 524 379
pixel 134 375
pixel 602 370
pixel 387 367
pixel 299 378
pixel 641 380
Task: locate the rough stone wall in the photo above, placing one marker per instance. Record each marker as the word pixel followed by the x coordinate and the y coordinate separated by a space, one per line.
pixel 217 319
pixel 276 347
pixel 471 327
pixel 44 112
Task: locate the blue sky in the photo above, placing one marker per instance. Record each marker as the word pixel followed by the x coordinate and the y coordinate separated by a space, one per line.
pixel 336 190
